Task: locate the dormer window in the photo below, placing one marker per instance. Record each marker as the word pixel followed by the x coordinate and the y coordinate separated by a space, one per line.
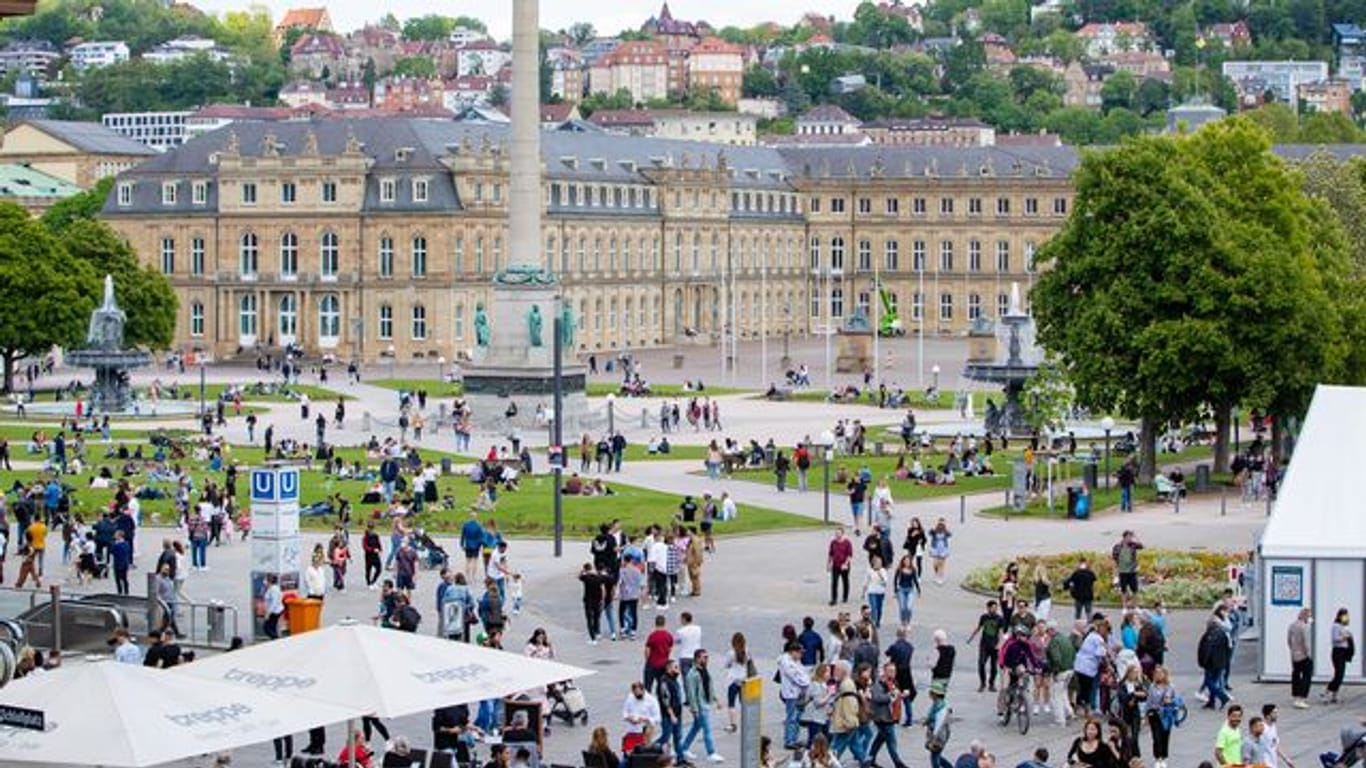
pixel 420 190
pixel 199 193
pixel 168 193
pixel 388 190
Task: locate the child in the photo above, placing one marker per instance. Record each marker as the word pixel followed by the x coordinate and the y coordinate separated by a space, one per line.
pixel 244 522
pixel 515 592
pixel 85 565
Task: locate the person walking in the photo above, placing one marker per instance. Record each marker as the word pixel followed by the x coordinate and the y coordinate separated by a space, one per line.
pixel 701 703
pixel 1162 711
pixel 1212 654
pixel 739 668
pixel 1086 666
pixel 839 559
pixel 371 547
pixel 594 582
pixel 939 549
pixel 793 685
pixel 887 702
pixel 1125 555
pixel 988 632
pixel 847 715
pixel 875 589
pixel 858 492
pixel 937 726
pixel 1301 662
pixel 907 584
pixel 1228 744
pixel 1344 650
pixel 1081 587
pixel 669 693
pixel 801 458
pixel 121 557
pixel 1061 655
pixel 781 466
pixel 659 646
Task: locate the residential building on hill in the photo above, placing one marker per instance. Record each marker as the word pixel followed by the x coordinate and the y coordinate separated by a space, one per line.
pixel 354 237
pixel 716 64
pixel 34 57
pixel 730 128
pixel 827 119
pixel 1103 39
pixel 675 34
pixel 186 47
pixel 313 19
pixel 158 130
pixel 77 153
pixel 1279 78
pixel 1333 95
pixel 319 55
pixel 481 57
pixel 639 67
pixel 98 54
pixel 1349 43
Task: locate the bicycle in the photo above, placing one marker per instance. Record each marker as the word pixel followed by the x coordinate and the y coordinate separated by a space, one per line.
pixel 1014 699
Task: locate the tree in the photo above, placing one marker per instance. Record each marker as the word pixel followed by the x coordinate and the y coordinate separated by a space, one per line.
pixel 49 293
pixel 759 82
pixel 499 95
pixel 433 26
pixel 1328 128
pixel 1118 91
pixel 144 294
pixel 391 22
pixel 469 22
pixel 1279 121
pixel 85 205
pixel 1153 96
pixel 581 33
pixel 415 66
pixel 1185 280
pixel 1047 398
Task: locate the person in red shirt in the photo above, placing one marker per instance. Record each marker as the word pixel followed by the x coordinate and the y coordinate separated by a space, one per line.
pixel 659 647
pixel 364 757
pixel 839 560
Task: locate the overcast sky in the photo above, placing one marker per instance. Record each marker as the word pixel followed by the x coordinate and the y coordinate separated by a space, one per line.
pixel 608 16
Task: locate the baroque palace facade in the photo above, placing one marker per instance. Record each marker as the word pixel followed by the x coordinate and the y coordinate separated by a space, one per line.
pixel 372 238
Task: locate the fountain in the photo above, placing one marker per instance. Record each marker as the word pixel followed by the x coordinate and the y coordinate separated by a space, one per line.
pixel 1015 332
pixel 112 391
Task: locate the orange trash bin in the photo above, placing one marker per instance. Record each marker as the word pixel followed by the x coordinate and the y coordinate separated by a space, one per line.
pixel 304 615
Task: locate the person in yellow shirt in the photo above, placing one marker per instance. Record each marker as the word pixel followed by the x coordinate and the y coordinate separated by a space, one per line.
pixel 37 540
pixel 1228 745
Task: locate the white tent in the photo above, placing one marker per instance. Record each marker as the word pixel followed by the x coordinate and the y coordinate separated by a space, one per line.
pixel 382 672
pixel 1312 553
pixel 128 716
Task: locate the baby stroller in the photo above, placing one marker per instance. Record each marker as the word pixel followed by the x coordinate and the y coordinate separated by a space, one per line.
pixel 1353 749
pixel 430 554
pixel 568 703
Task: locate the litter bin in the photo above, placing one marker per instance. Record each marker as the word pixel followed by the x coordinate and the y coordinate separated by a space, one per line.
pixel 1201 477
pixel 878 448
pixel 1073 493
pixel 218 630
pixel 446 465
pixel 678 362
pixel 1088 474
pixel 304 614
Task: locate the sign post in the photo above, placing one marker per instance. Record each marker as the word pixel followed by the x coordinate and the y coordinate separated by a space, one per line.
pixel 276 546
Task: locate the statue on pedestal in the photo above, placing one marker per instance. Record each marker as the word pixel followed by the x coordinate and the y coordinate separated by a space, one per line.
pixel 481 326
pixel 534 323
pixel 567 326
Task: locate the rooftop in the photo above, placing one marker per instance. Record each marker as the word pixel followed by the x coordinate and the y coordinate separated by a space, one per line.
pixel 23 181
pixel 92 138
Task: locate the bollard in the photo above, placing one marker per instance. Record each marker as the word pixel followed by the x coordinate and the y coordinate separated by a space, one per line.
pixel 56 617
pixel 365 422
pixel 644 419
pixel 962 509
pixel 1268 503
pixel 1223 501
pixel 1176 508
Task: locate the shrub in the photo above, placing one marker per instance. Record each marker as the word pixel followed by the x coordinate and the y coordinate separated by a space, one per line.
pixel 1179 579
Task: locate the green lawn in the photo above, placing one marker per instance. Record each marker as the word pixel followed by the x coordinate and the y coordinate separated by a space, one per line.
pixel 916 397
pixel 884 466
pixel 436 388
pixel 529 511
pixel 603 388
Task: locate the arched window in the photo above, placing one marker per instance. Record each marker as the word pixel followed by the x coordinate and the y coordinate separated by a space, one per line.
pixel 288 318
pixel 289 255
pixel 246 319
pixel 329 252
pixel 247 253
pixel 329 319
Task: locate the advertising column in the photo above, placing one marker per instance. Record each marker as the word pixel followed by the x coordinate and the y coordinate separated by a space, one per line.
pixel 275 544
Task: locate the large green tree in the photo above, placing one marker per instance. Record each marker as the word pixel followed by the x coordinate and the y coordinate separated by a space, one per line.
pixel 47 293
pixel 1188 280
pixel 144 294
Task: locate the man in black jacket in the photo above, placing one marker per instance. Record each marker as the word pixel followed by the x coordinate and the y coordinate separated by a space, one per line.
pixel 669 693
pixel 1081 585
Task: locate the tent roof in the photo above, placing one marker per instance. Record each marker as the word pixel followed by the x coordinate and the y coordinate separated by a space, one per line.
pixel 1316 514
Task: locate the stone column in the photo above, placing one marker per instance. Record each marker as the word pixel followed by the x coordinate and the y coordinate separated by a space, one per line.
pixel 524 196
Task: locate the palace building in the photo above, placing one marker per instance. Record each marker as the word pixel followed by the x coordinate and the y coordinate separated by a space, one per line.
pixel 379 237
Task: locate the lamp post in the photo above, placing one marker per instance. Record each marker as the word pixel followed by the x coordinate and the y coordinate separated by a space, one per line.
pixel 392 353
pixel 935 381
pixel 201 387
pixel 611 413
pixel 557 424
pixel 1107 424
pixel 441 368
pixel 827 448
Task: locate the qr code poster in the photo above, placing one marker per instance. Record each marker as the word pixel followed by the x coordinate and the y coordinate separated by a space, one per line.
pixel 1287 585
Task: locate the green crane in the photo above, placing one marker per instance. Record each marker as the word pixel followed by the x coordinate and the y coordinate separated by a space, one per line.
pixel 889 324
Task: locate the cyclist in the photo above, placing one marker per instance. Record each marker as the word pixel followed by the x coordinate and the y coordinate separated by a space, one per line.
pixel 1018 661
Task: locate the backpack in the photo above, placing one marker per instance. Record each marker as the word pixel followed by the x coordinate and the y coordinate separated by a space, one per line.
pixel 937 738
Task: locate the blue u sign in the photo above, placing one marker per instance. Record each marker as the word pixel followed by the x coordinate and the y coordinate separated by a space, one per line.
pixel 263 485
pixel 289 485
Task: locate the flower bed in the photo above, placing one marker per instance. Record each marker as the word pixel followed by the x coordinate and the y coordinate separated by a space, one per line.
pixel 1179 579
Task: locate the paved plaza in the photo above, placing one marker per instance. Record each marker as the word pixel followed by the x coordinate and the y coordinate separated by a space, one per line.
pixel 756 584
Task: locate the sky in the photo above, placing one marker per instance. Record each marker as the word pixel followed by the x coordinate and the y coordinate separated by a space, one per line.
pixel 608 16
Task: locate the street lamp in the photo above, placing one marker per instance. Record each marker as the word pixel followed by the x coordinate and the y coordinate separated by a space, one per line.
pixel 611 413
pixel 935 373
pixel 392 353
pixel 1107 424
pixel 827 451
pixel 441 368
